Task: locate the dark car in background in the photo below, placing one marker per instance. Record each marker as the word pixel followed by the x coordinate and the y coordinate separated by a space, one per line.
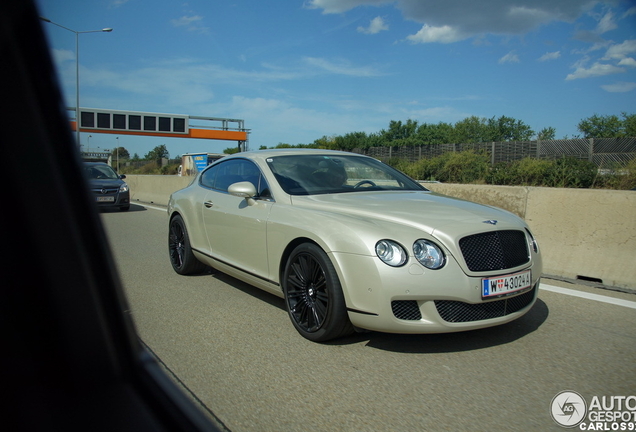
pixel 108 187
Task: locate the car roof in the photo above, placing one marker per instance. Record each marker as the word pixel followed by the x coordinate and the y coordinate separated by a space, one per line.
pixel 262 155
pixel 95 163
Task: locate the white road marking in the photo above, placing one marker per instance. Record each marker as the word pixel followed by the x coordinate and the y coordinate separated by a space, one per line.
pixel 588 296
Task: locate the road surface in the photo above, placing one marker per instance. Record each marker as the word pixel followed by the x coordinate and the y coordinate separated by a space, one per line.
pixel 233 347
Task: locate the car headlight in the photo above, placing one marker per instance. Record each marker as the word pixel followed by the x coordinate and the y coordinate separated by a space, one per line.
pixel 391 253
pixel 429 254
pixel 123 187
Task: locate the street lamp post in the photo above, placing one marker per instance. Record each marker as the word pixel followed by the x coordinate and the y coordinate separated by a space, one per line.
pixel 77 98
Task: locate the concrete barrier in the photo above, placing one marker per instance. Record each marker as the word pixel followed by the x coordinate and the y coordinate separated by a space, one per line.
pixel 584 234
pixel 155 189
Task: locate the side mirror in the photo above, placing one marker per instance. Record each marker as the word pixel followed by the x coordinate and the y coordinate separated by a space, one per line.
pixel 243 190
pixel 122 176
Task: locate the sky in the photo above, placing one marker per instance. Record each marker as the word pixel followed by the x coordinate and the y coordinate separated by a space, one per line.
pixel 298 70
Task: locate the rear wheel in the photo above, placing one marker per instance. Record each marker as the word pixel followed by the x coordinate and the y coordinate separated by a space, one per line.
pixel 181 257
pixel 313 295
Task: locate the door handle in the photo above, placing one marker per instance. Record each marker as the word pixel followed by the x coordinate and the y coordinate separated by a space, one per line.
pixel 208 204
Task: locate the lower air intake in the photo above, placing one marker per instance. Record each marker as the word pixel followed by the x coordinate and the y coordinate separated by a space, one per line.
pixel 406 310
pixel 455 311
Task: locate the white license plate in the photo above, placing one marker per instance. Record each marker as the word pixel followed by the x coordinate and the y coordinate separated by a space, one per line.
pixel 505 285
pixel 106 199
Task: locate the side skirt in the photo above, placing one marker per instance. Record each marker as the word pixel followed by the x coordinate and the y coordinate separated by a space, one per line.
pixel 241 274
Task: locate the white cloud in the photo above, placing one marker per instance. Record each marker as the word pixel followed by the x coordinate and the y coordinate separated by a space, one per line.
pixel 340 6
pixel 511 57
pixel 444 34
pixel 341 67
pixel 627 61
pixel 193 23
pixel 619 87
pixel 596 70
pixel 117 3
pixel 529 14
pixel 447 22
pixel 550 56
pixel 376 25
pixel 62 55
pixel 606 23
pixel 271 120
pixel 620 51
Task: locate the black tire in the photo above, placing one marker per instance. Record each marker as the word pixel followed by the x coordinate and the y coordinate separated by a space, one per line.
pixel 313 295
pixel 181 257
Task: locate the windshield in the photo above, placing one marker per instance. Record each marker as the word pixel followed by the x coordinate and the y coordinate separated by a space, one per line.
pixel 100 172
pixel 322 174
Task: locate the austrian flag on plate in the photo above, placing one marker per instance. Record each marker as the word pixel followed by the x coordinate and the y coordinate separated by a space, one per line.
pixel 505 285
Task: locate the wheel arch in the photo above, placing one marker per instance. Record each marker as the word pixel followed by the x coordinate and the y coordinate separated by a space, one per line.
pixel 288 250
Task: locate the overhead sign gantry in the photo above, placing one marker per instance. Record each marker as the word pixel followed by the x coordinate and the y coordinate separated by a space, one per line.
pixel 161 125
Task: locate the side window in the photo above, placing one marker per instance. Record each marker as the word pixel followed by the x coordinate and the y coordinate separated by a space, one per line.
pixel 226 173
pixel 208 176
pixel 264 192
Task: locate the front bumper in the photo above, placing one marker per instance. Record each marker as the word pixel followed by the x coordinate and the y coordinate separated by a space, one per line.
pixel 114 199
pixel 413 299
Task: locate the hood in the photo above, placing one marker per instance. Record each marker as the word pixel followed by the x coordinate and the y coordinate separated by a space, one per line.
pixel 423 210
pixel 106 183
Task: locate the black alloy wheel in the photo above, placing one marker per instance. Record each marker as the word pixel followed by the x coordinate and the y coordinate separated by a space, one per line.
pixel 313 295
pixel 181 257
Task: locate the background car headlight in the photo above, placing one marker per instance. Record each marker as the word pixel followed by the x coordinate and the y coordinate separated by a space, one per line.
pixel 429 254
pixel 391 253
pixel 123 188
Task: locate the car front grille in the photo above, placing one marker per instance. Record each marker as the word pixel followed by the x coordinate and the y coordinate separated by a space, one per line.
pixel 456 311
pixel 495 250
pixel 106 191
pixel 406 310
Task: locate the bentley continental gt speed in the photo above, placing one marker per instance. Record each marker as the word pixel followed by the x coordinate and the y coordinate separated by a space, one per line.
pixel 351 243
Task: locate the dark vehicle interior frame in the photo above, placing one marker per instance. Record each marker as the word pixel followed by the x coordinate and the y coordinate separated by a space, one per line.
pixel 71 357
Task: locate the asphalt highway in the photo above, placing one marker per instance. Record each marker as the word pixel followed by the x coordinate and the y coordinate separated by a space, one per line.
pixel 234 349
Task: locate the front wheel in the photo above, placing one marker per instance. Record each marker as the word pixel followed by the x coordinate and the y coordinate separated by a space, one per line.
pixel 313 295
pixel 181 257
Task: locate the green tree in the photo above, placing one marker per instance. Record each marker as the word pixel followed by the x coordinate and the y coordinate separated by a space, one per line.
pixel 440 133
pixel 471 130
pixel 508 129
pixel 399 131
pixel 545 134
pixel 352 141
pixel 120 152
pixel 629 124
pixel 598 126
pixel 158 153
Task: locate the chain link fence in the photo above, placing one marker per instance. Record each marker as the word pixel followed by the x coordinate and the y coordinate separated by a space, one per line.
pixel 603 152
